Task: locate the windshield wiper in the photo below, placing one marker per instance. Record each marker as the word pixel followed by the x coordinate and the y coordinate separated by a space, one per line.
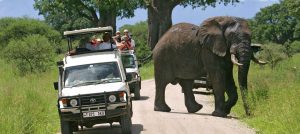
pixel 96 82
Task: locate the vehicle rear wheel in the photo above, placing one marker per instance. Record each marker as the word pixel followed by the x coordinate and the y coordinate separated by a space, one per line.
pixel 66 127
pixel 126 124
pixel 137 94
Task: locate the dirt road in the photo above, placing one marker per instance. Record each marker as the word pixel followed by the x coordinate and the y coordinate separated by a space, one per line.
pixel 178 121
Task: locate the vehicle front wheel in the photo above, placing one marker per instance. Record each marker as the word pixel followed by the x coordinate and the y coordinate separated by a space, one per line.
pixel 126 123
pixel 66 127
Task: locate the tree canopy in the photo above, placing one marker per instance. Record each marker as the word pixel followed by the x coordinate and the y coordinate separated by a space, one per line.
pixel 274 24
pixel 75 14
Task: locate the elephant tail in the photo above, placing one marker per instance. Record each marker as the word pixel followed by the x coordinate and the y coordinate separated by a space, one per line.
pixel 146 59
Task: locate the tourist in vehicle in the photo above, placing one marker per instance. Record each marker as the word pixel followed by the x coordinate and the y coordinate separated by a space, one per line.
pixel 129 36
pixel 124 44
pixel 93 44
pixel 106 43
pixel 118 36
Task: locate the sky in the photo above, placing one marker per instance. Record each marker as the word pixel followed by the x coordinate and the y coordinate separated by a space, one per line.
pixel 245 9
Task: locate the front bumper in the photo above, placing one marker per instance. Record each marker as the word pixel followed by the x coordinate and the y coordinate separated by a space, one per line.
pixel 78 117
pixel 101 103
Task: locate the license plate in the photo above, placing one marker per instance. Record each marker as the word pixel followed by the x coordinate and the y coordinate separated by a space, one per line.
pixel 93 114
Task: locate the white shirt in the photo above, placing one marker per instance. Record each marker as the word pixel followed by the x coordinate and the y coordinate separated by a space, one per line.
pixel 105 45
pixel 91 47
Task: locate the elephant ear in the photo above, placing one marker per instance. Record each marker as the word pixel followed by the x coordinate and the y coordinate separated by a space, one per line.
pixel 212 37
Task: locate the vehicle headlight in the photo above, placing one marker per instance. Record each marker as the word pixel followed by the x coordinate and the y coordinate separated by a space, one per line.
pixel 63 102
pixel 73 102
pixel 122 96
pixel 112 98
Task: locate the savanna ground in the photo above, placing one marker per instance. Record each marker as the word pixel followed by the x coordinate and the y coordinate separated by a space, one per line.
pixel 28 103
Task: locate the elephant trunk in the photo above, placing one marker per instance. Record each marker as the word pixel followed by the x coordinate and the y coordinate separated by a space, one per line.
pixel 244 55
pixel 242 79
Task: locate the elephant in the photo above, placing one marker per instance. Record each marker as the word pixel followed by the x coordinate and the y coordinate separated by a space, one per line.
pixel 187 52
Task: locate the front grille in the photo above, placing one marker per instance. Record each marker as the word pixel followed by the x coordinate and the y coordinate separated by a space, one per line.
pixel 92 100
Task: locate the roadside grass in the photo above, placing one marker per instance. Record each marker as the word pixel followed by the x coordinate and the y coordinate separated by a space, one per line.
pixel 28 104
pixel 147 71
pixel 274 98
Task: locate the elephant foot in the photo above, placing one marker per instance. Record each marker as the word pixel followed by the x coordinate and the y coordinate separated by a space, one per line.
pixel 162 108
pixel 194 108
pixel 219 114
pixel 227 110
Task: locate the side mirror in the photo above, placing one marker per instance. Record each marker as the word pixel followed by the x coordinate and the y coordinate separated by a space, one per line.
pixel 60 63
pixel 55 85
pixel 139 65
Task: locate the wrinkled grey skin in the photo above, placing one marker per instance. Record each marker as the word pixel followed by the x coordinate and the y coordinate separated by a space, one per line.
pixel 186 52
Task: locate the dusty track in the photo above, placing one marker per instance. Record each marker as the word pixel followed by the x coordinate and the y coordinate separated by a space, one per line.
pixel 178 121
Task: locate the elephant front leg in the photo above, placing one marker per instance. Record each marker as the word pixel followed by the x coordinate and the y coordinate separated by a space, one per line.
pixel 231 92
pixel 190 102
pixel 160 103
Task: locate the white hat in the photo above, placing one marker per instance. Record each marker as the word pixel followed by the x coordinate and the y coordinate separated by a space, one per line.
pixel 125 30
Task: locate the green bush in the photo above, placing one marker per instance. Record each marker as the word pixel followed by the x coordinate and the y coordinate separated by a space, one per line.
pixel 295 47
pixel 273 53
pixel 18 28
pixel 31 54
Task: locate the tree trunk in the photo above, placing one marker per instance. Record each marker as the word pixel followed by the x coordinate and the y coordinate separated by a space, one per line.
pixel 107 19
pixel 159 19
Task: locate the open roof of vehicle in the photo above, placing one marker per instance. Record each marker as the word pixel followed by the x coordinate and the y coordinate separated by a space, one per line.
pixel 88 30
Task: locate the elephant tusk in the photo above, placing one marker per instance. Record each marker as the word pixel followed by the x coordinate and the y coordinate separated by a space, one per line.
pixel 259 61
pixel 234 60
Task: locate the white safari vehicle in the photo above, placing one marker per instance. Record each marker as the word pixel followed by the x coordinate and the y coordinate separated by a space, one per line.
pixel 130 62
pixel 92 87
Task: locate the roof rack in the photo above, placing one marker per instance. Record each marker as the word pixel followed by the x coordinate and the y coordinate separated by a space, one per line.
pixel 88 30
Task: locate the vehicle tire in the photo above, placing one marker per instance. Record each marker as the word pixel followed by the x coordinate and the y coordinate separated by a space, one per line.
pixel 137 94
pixel 66 127
pixel 75 127
pixel 126 123
pixel 131 111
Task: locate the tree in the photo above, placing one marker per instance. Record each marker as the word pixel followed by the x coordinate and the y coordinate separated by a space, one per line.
pixel 293 7
pixel 160 15
pixel 74 14
pixel 273 24
pixel 30 54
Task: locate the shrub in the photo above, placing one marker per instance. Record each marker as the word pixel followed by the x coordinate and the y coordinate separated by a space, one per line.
pixel 18 28
pixel 31 54
pixel 273 53
pixel 295 47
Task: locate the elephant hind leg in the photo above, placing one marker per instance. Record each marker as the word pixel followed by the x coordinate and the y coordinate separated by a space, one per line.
pixel 160 103
pixel 190 102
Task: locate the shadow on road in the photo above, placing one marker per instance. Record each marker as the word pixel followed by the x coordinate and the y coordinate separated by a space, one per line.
pixel 143 98
pixel 206 114
pixel 106 129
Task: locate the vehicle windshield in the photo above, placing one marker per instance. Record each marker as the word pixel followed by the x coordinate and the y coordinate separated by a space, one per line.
pixel 92 74
pixel 128 61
